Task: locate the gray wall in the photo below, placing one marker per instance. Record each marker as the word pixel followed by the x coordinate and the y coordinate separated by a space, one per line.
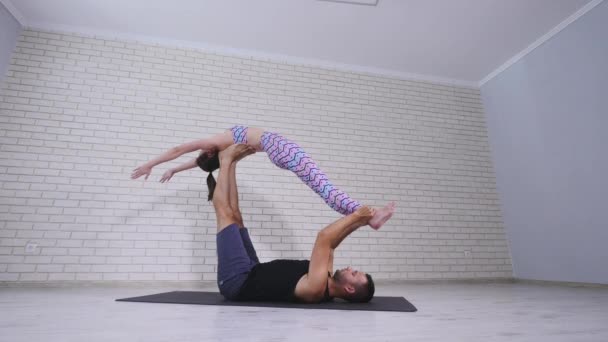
pixel 9 31
pixel 548 126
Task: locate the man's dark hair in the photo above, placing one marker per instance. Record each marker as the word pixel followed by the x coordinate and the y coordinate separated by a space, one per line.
pixel 363 293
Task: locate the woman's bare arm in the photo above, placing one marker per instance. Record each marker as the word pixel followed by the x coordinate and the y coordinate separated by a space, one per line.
pixel 185 166
pixel 177 151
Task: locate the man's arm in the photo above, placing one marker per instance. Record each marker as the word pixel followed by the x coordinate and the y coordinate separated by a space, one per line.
pixel 330 263
pixel 312 288
pixel 336 232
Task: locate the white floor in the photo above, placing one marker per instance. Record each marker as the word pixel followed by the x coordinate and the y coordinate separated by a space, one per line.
pixel 446 312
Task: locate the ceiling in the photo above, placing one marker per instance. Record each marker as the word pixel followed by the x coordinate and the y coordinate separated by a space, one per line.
pixel 454 41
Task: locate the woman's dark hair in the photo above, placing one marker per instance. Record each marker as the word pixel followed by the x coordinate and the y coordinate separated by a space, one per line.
pixel 209 161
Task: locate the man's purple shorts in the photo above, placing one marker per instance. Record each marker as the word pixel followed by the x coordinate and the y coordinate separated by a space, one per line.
pixel 235 258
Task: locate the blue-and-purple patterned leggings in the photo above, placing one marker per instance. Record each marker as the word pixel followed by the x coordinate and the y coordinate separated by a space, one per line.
pixel 288 155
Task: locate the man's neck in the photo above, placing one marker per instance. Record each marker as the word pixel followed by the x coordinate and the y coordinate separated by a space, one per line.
pixel 334 289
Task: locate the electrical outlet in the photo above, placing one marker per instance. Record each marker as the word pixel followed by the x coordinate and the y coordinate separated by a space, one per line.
pixel 31 248
pixel 467 254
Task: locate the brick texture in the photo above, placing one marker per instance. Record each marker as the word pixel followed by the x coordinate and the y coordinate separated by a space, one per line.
pixel 79 113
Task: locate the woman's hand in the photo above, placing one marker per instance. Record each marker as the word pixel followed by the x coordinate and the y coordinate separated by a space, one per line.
pixel 140 171
pixel 167 175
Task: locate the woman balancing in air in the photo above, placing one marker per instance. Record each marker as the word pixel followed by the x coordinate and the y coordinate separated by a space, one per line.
pixel 282 152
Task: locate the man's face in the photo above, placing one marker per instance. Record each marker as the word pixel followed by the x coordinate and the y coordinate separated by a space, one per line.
pixel 349 276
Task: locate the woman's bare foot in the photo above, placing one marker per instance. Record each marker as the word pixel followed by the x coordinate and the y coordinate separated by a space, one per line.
pixel 382 215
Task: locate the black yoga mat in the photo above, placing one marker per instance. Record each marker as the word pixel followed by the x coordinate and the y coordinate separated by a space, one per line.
pixel 378 303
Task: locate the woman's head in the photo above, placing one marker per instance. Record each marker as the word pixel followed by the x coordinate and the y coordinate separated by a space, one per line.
pixel 209 161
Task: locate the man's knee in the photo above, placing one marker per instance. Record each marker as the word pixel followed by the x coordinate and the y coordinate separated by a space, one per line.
pixel 225 212
pixel 237 215
pixel 225 216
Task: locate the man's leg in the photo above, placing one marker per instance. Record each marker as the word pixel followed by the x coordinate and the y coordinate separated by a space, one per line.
pixel 233 260
pixel 234 196
pixel 234 203
pixel 225 197
pixel 224 214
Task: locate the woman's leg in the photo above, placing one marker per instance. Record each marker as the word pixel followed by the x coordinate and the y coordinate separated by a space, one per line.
pixel 288 155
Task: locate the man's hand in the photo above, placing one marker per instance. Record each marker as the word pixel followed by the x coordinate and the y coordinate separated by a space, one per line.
pixel 365 214
pixel 235 153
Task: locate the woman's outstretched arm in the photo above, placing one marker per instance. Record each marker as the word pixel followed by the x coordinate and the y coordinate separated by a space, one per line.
pixel 202 144
pixel 185 166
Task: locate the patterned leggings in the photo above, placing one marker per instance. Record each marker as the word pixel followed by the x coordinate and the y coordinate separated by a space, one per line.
pixel 289 156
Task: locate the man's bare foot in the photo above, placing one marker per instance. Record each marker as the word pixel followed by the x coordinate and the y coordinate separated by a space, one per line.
pixel 235 153
pixel 382 215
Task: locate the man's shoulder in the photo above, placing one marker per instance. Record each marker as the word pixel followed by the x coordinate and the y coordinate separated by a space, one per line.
pixel 309 292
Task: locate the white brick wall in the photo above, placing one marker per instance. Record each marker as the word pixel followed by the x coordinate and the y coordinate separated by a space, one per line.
pixel 79 113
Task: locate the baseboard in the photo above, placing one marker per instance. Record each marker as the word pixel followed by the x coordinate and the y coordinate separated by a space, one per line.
pixel 559 283
pixel 88 283
pixel 212 284
pixel 445 281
